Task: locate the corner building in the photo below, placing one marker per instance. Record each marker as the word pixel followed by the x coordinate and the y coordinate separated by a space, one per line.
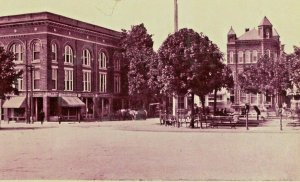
pixel 244 51
pixel 69 68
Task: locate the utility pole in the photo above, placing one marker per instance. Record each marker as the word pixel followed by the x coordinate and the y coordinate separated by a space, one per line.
pixel 175 16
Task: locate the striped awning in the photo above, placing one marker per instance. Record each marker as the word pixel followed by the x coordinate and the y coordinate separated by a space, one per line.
pixel 15 102
pixel 71 102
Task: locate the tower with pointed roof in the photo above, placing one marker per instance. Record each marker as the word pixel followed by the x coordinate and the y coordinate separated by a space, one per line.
pixel 265 28
pixel 231 36
pixel 245 50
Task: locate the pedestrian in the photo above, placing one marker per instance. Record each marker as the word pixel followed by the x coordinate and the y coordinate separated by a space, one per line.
pixel 42 116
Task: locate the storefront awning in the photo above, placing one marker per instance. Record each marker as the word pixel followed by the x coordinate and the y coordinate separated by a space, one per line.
pixel 71 102
pixel 15 102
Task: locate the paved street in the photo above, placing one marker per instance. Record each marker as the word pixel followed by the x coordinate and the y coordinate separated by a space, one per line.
pixel 145 150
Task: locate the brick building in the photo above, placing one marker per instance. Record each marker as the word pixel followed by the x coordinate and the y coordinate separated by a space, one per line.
pixel 70 64
pixel 246 50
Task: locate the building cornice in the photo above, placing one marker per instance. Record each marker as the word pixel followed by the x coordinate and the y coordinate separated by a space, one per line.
pixel 55 34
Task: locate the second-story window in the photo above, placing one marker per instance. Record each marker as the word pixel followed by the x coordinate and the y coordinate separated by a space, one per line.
pixel 36 79
pixel 54 52
pixel 68 79
pixel 54 78
pixel 17 49
pixel 86 81
pixel 86 57
pixel 102 60
pixel 117 83
pixel 68 55
pixel 36 49
pixel 102 82
pixel 117 65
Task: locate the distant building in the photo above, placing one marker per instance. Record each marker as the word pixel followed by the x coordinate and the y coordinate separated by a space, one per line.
pixel 74 75
pixel 245 50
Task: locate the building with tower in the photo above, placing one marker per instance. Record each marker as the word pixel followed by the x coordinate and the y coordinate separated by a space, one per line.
pixel 245 50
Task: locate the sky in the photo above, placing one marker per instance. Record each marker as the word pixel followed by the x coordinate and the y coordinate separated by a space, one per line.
pixel 211 17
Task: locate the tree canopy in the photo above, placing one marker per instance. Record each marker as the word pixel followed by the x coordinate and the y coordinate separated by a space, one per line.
pixel 268 77
pixel 137 56
pixel 8 74
pixel 190 63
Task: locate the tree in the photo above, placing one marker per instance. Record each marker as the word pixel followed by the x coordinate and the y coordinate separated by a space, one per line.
pixel 268 76
pixel 137 55
pixel 294 66
pixel 8 74
pixel 222 78
pixel 184 63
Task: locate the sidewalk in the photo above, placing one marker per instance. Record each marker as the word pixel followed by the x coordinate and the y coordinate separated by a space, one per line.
pixel 153 125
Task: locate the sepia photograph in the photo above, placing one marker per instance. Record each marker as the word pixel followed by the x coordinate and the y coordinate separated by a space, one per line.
pixel 150 90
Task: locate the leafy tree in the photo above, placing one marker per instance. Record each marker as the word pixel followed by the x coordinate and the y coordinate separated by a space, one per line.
pixel 222 78
pixel 184 63
pixel 294 66
pixel 8 74
pixel 137 55
pixel 268 76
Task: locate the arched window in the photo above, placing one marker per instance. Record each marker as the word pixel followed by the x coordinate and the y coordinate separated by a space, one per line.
pixel 17 49
pixel 54 52
pixel 36 49
pixel 86 57
pixel 68 55
pixel 241 57
pixel 254 56
pixel 102 60
pixel 247 56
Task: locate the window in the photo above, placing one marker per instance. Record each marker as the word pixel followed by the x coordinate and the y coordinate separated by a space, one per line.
pixel 102 60
pixel 86 57
pixel 117 64
pixel 268 52
pixel 36 79
pixel 180 102
pixel 102 82
pixel 241 57
pixel 254 56
pixel 68 79
pixel 68 55
pixel 54 78
pixel 36 48
pixel 247 56
pixel 17 49
pixel 117 84
pixel 231 57
pixel 86 81
pixel 275 56
pixel 54 52
pixel 19 83
pixel 267 33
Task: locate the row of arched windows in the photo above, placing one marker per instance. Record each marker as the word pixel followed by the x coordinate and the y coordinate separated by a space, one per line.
pixel 18 50
pixel 248 56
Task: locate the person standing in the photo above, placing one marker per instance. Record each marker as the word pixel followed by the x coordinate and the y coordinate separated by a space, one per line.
pixel 42 116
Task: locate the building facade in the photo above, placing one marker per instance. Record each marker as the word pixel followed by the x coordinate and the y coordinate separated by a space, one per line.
pixel 69 67
pixel 245 50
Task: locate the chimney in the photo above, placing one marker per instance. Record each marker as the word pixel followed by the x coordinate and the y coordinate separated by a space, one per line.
pixel 246 29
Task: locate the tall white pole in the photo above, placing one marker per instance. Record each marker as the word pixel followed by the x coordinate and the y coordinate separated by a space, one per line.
pixel 175 16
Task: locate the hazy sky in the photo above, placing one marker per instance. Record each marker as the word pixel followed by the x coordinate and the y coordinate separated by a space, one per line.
pixel 212 17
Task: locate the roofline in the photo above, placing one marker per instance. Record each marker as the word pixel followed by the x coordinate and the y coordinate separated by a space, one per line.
pixel 45 15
